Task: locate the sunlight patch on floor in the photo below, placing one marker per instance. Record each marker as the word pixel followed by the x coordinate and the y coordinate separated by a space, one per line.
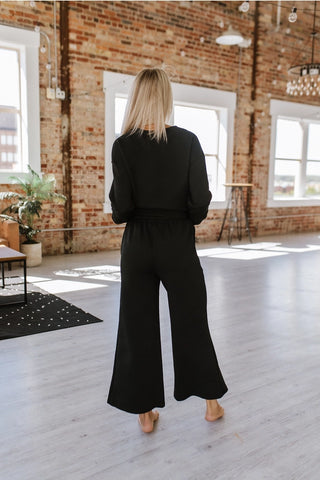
pixel 254 251
pixel 32 279
pixel 308 248
pixel 63 286
pixel 110 273
pixel 248 254
pixel 210 252
pixel 258 246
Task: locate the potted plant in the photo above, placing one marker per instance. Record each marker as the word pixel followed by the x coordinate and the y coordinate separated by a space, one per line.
pixel 26 208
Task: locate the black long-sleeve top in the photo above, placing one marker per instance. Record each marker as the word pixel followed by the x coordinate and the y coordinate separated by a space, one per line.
pixel 159 175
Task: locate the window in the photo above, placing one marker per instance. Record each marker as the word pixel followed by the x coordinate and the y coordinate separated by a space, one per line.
pixel 313 161
pixel 206 112
pixel 120 108
pixel 205 123
pixel 10 111
pixel 294 155
pixel 19 102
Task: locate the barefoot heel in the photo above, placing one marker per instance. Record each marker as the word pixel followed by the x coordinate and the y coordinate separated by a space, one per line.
pixel 147 421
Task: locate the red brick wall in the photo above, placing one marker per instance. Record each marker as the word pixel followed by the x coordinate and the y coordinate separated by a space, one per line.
pixel 277 49
pixel 127 36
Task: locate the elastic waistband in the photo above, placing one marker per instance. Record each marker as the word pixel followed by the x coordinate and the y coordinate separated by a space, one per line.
pixel 158 214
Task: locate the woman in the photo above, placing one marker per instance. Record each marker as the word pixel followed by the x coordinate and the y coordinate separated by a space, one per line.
pixel 160 189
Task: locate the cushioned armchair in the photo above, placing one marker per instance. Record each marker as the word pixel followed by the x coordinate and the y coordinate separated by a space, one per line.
pixel 9 234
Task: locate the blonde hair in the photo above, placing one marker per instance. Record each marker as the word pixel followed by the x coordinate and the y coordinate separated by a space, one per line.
pixel 150 104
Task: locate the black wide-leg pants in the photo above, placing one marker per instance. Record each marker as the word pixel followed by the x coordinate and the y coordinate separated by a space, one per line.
pixel 154 251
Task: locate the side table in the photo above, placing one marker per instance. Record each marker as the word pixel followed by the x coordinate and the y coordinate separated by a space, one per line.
pixel 8 255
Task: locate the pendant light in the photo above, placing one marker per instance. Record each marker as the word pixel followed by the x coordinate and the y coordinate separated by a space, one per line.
pixel 230 37
pixel 308 82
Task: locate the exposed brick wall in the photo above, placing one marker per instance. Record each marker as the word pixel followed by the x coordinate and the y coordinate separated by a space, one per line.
pixel 20 14
pixel 127 36
pixel 277 49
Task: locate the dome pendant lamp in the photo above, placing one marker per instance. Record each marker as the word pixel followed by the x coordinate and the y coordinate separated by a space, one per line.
pixel 230 37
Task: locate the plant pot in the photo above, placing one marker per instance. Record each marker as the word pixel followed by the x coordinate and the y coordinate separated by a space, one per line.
pixel 33 252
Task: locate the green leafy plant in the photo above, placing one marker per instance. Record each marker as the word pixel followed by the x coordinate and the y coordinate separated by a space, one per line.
pixel 26 206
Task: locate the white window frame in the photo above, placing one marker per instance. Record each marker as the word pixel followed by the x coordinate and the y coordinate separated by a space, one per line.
pixel 27 42
pixel 117 84
pixel 220 155
pixel 292 111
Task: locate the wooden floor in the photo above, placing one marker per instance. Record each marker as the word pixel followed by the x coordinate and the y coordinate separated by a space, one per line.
pixel 264 306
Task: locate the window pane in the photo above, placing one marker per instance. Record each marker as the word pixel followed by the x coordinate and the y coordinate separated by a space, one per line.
pixel 285 178
pixel 289 139
pixel 211 164
pixel 314 141
pixel 204 122
pixel 313 179
pixel 120 108
pixel 9 78
pixel 9 141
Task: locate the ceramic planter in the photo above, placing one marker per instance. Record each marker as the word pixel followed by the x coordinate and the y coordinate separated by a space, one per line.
pixel 33 252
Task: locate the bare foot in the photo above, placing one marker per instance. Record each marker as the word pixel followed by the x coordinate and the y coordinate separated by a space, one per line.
pixel 214 411
pixel 147 420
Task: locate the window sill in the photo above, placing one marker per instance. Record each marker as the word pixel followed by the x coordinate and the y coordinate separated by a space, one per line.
pixel 297 202
pixel 5 177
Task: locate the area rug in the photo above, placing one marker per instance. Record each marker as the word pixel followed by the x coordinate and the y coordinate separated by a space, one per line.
pixel 43 313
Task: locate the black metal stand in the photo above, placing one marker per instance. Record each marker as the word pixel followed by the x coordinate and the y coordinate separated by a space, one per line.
pixel 236 212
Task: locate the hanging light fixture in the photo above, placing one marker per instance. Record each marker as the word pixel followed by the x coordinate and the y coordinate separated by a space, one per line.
pixel 230 37
pixel 293 15
pixel 308 82
pixel 244 7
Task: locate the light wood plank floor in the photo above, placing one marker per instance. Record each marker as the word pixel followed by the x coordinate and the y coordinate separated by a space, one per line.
pixel 264 304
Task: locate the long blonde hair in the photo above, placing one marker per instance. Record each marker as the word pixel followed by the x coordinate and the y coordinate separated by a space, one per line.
pixel 150 104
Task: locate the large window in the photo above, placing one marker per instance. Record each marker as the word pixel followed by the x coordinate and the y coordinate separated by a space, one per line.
pixel 19 102
pixel 207 123
pixel 10 111
pixel 294 155
pixel 208 113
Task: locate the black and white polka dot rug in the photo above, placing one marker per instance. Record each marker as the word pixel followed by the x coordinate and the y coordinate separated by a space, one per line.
pixel 43 313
